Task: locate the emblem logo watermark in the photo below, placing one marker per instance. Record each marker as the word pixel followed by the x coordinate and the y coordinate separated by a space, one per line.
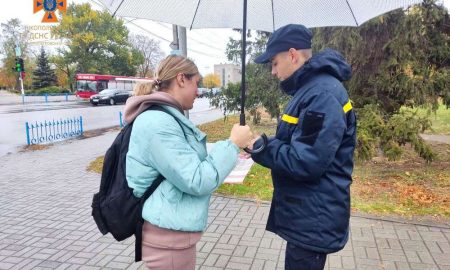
pixel 50 7
pixel 41 35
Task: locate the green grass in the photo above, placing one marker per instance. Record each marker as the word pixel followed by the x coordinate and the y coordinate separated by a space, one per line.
pixel 440 119
pixel 257 185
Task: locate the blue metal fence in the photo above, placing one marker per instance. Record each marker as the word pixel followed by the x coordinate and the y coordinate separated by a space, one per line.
pixel 49 131
pixel 47 95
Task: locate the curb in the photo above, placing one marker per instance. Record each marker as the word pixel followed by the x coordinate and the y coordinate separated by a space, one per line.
pixel 87 134
pixel 413 221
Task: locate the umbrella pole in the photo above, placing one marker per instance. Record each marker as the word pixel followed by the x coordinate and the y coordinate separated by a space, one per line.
pixel 242 116
pixel 244 49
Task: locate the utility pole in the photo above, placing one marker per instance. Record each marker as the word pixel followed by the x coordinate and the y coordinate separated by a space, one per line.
pixel 179 44
pixel 174 45
pixel 182 44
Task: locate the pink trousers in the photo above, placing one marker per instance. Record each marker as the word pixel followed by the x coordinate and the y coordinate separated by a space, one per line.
pixel 164 249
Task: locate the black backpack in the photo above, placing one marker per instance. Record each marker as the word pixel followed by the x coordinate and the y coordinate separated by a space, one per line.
pixel 115 209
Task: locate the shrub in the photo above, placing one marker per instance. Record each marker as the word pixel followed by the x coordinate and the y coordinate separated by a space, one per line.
pixel 48 90
pixel 388 133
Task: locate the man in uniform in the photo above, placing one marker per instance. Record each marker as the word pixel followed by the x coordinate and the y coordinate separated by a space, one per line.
pixel 311 155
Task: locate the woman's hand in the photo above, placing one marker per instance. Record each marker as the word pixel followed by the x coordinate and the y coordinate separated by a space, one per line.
pixel 242 136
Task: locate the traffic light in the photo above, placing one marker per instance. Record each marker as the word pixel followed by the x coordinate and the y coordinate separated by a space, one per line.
pixel 19 65
pixel 22 65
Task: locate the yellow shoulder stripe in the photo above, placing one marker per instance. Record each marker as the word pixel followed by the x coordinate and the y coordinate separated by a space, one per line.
pixel 347 107
pixel 294 120
pixel 289 119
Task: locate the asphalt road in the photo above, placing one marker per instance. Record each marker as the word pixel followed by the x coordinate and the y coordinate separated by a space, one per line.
pixel 14 116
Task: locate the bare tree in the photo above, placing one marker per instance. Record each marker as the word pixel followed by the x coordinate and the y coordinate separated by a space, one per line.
pixel 151 51
pixel 13 34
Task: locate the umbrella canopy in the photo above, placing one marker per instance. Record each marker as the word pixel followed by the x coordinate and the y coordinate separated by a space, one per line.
pixel 264 15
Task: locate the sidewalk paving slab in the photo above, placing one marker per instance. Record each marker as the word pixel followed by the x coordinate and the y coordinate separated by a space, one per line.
pixel 46 223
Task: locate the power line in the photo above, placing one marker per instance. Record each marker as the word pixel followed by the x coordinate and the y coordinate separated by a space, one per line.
pixel 192 32
pixel 99 4
pixel 195 40
pixel 148 31
pixel 212 33
pixel 167 27
pixel 158 36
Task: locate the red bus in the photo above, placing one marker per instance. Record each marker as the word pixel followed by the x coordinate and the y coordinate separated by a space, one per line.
pixel 87 85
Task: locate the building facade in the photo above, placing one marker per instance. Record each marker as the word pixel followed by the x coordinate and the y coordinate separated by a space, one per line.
pixel 228 73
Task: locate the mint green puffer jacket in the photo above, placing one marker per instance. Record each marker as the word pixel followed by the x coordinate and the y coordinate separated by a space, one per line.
pixel 177 150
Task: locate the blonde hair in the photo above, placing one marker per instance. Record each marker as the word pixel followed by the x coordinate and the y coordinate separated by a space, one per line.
pixel 141 89
pixel 167 71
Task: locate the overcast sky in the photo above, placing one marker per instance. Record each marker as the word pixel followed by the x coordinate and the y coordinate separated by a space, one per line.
pixel 205 46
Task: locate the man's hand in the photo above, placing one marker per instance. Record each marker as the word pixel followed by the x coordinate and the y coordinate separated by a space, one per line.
pixel 247 155
pixel 253 142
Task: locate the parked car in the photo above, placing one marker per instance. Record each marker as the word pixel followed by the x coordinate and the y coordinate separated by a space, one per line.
pixel 208 92
pixel 202 92
pixel 216 90
pixel 110 96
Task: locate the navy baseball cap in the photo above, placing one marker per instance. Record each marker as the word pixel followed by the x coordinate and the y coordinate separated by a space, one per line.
pixel 295 36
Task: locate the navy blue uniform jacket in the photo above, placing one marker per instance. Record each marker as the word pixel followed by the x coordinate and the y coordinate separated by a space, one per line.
pixel 311 157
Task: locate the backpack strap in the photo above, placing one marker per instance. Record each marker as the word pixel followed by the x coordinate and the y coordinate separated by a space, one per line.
pixel 140 224
pixel 148 192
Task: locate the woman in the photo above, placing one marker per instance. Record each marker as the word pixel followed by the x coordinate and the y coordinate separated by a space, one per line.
pixel 163 141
